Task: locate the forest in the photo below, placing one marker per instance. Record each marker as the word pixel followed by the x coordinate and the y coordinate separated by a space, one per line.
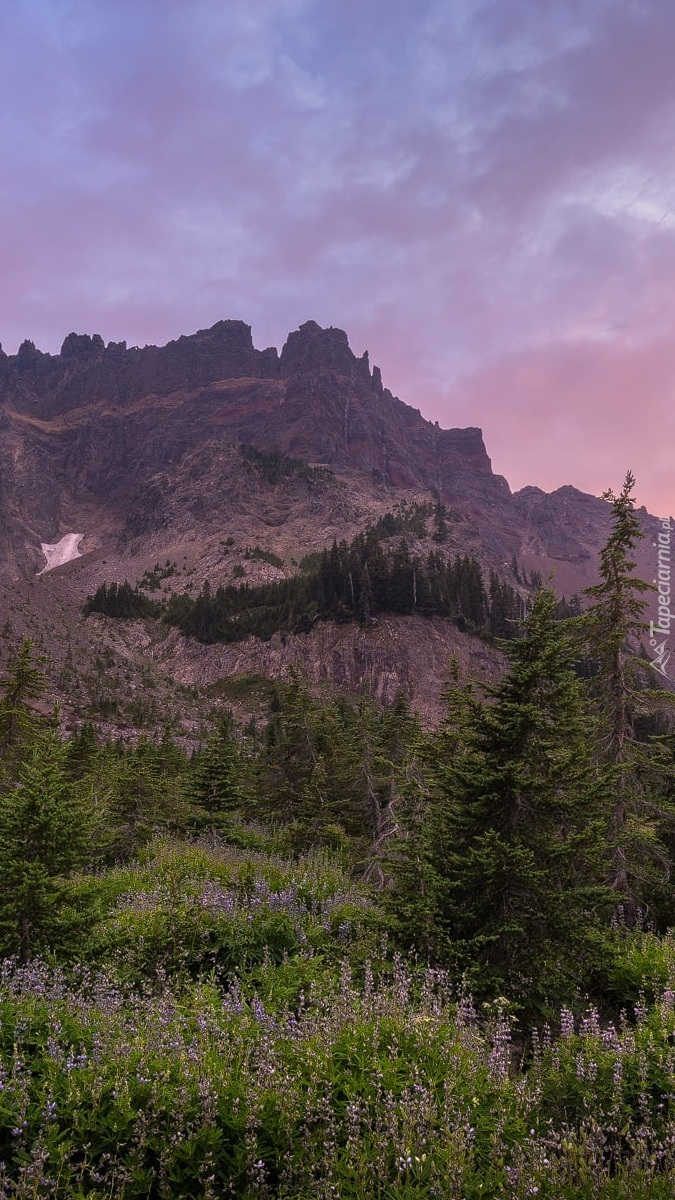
pixel 337 954
pixel 375 573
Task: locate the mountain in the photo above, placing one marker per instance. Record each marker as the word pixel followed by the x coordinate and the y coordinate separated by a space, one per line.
pixel 166 455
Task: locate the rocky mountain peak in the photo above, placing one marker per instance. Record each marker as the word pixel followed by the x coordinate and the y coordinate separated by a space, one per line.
pixel 81 347
pixel 313 349
pixel 221 460
pixel 28 356
pixel 124 430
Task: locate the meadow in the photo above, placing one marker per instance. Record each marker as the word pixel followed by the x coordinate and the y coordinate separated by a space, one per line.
pixel 242 1029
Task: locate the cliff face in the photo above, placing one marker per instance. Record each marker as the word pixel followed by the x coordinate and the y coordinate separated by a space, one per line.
pixel 90 433
pixel 316 400
pixel 131 440
pixel 141 452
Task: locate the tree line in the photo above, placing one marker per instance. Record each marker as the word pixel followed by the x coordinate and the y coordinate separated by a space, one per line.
pixel 375 573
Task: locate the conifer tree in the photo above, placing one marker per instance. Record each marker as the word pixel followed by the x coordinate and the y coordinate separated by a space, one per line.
pixel 291 753
pixel 81 750
pixel 44 836
pixel 217 786
pixel 514 849
pixel 614 620
pixel 440 533
pixel 133 792
pixel 23 684
pixel 412 852
pixel 615 615
pixel 396 734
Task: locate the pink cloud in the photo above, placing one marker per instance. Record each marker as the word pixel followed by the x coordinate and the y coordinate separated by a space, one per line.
pixel 580 414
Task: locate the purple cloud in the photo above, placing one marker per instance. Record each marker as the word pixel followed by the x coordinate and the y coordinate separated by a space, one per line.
pixel 481 193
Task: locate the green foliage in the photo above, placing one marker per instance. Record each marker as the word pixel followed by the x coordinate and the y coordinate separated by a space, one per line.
pixel 235 1028
pixel 615 614
pixel 409 518
pixel 45 831
pixel 375 573
pixel 311 562
pixel 643 815
pixel 122 601
pixel 23 684
pixel 196 910
pixel 512 854
pixel 136 791
pixel 81 751
pixel 441 531
pixel 152 580
pixel 256 554
pixel 331 767
pixel 507 608
pixel 324 1081
pixel 217 783
pixel 352 582
pixel 276 468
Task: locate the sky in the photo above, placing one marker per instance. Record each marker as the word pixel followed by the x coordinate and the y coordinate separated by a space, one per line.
pixel 480 192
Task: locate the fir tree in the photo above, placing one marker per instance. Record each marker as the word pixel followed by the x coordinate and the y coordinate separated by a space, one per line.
pixel 217 784
pixel 615 615
pixel 290 754
pixel 514 847
pixel 611 623
pixel 23 684
pixel 44 837
pixel 412 852
pixel 134 792
pixel 81 750
pixel 440 533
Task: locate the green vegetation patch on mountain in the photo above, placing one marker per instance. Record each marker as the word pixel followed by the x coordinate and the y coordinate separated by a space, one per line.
pixel 275 467
pixel 375 573
pixel 123 601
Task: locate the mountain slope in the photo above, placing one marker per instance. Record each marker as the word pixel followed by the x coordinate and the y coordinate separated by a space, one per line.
pixel 144 453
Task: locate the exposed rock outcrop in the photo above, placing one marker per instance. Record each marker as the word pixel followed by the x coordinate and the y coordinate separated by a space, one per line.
pixel 142 450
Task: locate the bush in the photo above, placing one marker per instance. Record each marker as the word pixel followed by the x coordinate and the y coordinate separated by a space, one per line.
pixel 189 911
pixel 390 1086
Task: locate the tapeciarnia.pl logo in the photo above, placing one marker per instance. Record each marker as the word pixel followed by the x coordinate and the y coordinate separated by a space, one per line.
pixel 659 630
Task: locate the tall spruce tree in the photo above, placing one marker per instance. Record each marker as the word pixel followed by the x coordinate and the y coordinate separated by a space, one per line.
pixel 513 856
pixel 411 851
pixel 614 616
pixel 612 624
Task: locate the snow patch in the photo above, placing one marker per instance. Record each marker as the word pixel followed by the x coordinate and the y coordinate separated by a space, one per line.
pixel 61 552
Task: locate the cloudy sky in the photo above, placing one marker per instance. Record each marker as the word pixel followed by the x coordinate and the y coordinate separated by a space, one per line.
pixel 481 192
